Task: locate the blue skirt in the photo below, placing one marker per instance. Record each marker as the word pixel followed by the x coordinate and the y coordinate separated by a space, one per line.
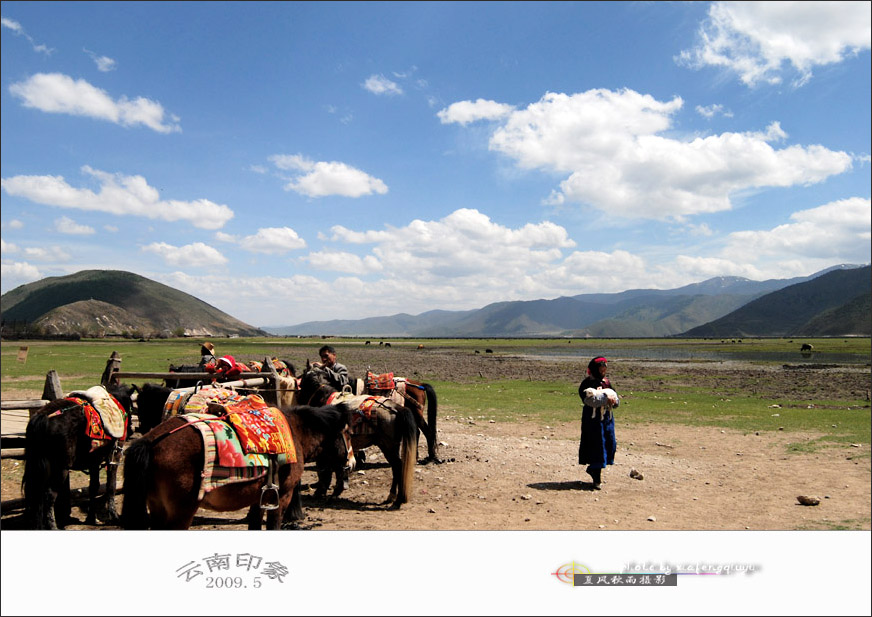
pixel 598 444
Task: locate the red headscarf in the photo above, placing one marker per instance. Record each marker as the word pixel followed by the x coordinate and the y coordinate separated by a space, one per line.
pixel 594 363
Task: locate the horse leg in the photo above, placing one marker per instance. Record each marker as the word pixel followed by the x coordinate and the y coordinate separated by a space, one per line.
pixel 341 480
pixel 59 506
pixel 93 490
pixel 255 517
pixel 111 487
pixel 325 473
pixel 393 459
pixel 294 511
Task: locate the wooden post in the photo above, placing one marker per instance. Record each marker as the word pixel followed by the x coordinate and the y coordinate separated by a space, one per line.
pixel 268 363
pixel 113 365
pixel 52 389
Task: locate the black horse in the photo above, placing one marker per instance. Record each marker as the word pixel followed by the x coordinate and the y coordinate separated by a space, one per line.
pixel 391 427
pixel 56 442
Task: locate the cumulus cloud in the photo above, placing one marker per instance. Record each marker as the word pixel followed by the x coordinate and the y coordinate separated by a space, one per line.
pixel 339 261
pixel 614 148
pixel 379 84
pixel 66 225
pixel 12 224
pixel 836 231
pixel 273 241
pixel 322 179
pixel 464 112
pixel 190 255
pixel 7 247
pixel 18 30
pixel 104 63
pixel 61 94
pixel 756 40
pixel 118 194
pixel 15 273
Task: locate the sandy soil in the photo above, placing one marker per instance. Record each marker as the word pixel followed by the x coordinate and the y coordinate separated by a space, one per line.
pixel 523 475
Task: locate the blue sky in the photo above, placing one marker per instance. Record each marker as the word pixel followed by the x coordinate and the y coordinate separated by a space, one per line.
pixel 289 162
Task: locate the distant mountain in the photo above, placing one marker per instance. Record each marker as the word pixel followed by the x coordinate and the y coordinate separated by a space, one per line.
pixel 107 302
pixel 631 313
pixel 834 304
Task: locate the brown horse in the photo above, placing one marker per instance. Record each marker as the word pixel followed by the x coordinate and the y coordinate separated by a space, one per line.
pixel 418 396
pixel 162 473
pixel 56 441
pixel 392 428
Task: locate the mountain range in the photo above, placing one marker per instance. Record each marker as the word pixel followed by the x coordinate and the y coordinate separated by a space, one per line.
pixel 704 309
pixel 833 302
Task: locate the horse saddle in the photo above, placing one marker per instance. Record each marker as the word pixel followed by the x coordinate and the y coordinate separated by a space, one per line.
pixel 261 429
pixel 105 414
pixel 386 385
pixel 364 408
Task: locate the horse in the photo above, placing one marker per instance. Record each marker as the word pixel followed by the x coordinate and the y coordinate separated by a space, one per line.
pixel 163 473
pixel 56 441
pixel 152 399
pixel 391 427
pixel 418 396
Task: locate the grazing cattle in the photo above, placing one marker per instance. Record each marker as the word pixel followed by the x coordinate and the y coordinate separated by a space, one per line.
pixel 488 350
pixel 368 343
pixel 420 347
pixel 387 344
pixel 806 347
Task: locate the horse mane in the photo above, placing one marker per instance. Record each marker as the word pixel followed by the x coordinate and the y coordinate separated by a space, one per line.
pixel 324 420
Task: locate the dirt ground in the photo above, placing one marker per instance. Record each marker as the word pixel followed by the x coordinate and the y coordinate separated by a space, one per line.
pixel 523 475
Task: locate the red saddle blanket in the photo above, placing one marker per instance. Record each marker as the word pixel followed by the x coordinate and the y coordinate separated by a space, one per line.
pixel 261 429
pixel 382 382
pixel 96 428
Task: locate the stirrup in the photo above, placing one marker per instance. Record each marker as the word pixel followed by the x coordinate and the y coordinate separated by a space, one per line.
pixel 273 491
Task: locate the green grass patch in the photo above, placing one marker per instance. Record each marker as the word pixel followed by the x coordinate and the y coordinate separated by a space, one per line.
pixel 552 402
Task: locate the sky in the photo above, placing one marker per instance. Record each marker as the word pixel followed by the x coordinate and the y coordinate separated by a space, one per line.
pixel 289 162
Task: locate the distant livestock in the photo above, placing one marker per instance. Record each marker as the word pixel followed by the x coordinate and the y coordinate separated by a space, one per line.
pixel 806 347
pixel 488 350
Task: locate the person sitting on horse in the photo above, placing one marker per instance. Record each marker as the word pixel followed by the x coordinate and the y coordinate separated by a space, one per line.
pixel 337 373
pixel 207 357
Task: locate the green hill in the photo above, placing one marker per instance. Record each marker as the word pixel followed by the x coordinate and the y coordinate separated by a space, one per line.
pixel 113 302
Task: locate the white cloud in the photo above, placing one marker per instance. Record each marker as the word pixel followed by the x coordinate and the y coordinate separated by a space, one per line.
pixel 273 241
pixel 190 255
pixel 17 273
pixel 612 147
pixel 18 30
pixel 836 232
pixel 119 194
pixel 379 84
pixel 12 224
pixel 57 93
pixel 710 111
pixel 110 228
pixel 104 64
pixel 7 247
pixel 464 112
pixel 66 225
pixel 338 261
pixel 46 254
pixel 756 39
pixel 321 178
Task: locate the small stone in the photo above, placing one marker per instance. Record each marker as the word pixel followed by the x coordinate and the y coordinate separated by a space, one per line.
pixel 808 500
pixel 652 519
pixel 431 511
pixel 526 497
pixel 636 475
pixel 602 526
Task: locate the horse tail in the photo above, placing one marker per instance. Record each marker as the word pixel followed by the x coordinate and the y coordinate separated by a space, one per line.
pixel 137 467
pixel 431 410
pixel 35 482
pixel 407 431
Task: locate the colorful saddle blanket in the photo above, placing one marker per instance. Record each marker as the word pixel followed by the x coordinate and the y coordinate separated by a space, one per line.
pixel 365 407
pixel 281 367
pixel 375 383
pixel 107 419
pixel 225 461
pixel 261 429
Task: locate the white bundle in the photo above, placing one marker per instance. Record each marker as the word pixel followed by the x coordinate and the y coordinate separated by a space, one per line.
pixel 601 399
